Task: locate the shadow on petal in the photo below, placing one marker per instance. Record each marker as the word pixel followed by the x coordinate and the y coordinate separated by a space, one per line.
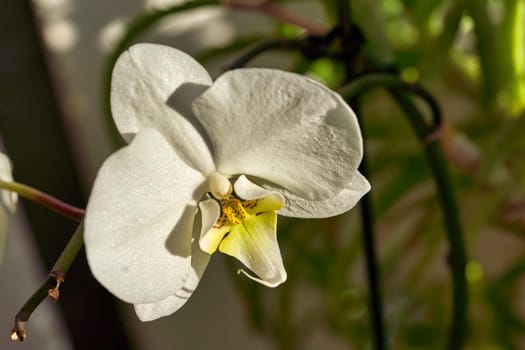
pixel 200 192
pixel 180 101
pixel 179 240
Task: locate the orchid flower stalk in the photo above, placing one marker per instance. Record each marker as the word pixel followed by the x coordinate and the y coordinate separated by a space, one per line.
pixel 208 166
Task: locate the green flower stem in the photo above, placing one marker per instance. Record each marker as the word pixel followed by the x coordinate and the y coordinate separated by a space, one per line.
pixel 370 81
pixel 136 27
pixel 426 133
pixel 44 200
pixel 457 256
pixel 372 268
pixel 69 253
pixel 487 38
pixel 277 44
pixel 50 286
pixel 344 14
pixel 19 330
pixel 366 207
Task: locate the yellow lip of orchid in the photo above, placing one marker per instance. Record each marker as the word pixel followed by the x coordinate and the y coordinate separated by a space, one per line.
pixel 246 230
pixel 235 212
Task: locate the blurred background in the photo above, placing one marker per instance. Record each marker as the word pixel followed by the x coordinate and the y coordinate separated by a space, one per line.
pixel 55 56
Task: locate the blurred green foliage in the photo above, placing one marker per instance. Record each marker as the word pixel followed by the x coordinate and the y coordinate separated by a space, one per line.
pixel 470 54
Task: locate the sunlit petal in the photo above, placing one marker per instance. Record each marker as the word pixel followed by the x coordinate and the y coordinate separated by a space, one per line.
pixel 153 86
pixel 304 208
pixel 283 128
pixel 139 220
pixel 254 243
pixel 337 205
pixel 212 231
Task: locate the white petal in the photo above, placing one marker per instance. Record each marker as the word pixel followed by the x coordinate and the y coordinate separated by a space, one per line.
pixel 303 208
pixel 210 238
pixel 254 243
pixel 8 198
pixel 339 204
pixel 283 128
pixel 246 189
pixel 139 220
pixel 153 85
pixel 167 306
pixel 210 212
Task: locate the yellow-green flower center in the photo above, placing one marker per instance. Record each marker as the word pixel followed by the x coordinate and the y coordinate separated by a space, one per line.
pixel 233 209
pixel 240 217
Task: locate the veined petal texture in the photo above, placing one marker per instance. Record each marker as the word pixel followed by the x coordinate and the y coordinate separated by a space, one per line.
pixel 283 128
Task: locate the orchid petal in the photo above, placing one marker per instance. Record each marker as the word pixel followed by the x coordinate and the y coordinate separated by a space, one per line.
pixel 304 208
pixel 337 205
pixel 139 220
pixel 254 243
pixel 8 198
pixel 246 189
pixel 172 303
pixel 165 307
pixel 211 233
pixel 210 212
pixel 272 201
pixel 283 128
pixel 152 86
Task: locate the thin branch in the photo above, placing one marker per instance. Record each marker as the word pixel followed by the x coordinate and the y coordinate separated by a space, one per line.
pixel 268 8
pixel 70 252
pixel 445 191
pixel 343 11
pixel 50 286
pixel 372 268
pixel 362 84
pixel 457 256
pixel 277 44
pixel 19 329
pixel 44 200
pixel 351 47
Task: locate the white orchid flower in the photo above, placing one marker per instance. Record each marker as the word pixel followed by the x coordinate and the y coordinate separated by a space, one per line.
pixel 208 166
pixel 8 199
